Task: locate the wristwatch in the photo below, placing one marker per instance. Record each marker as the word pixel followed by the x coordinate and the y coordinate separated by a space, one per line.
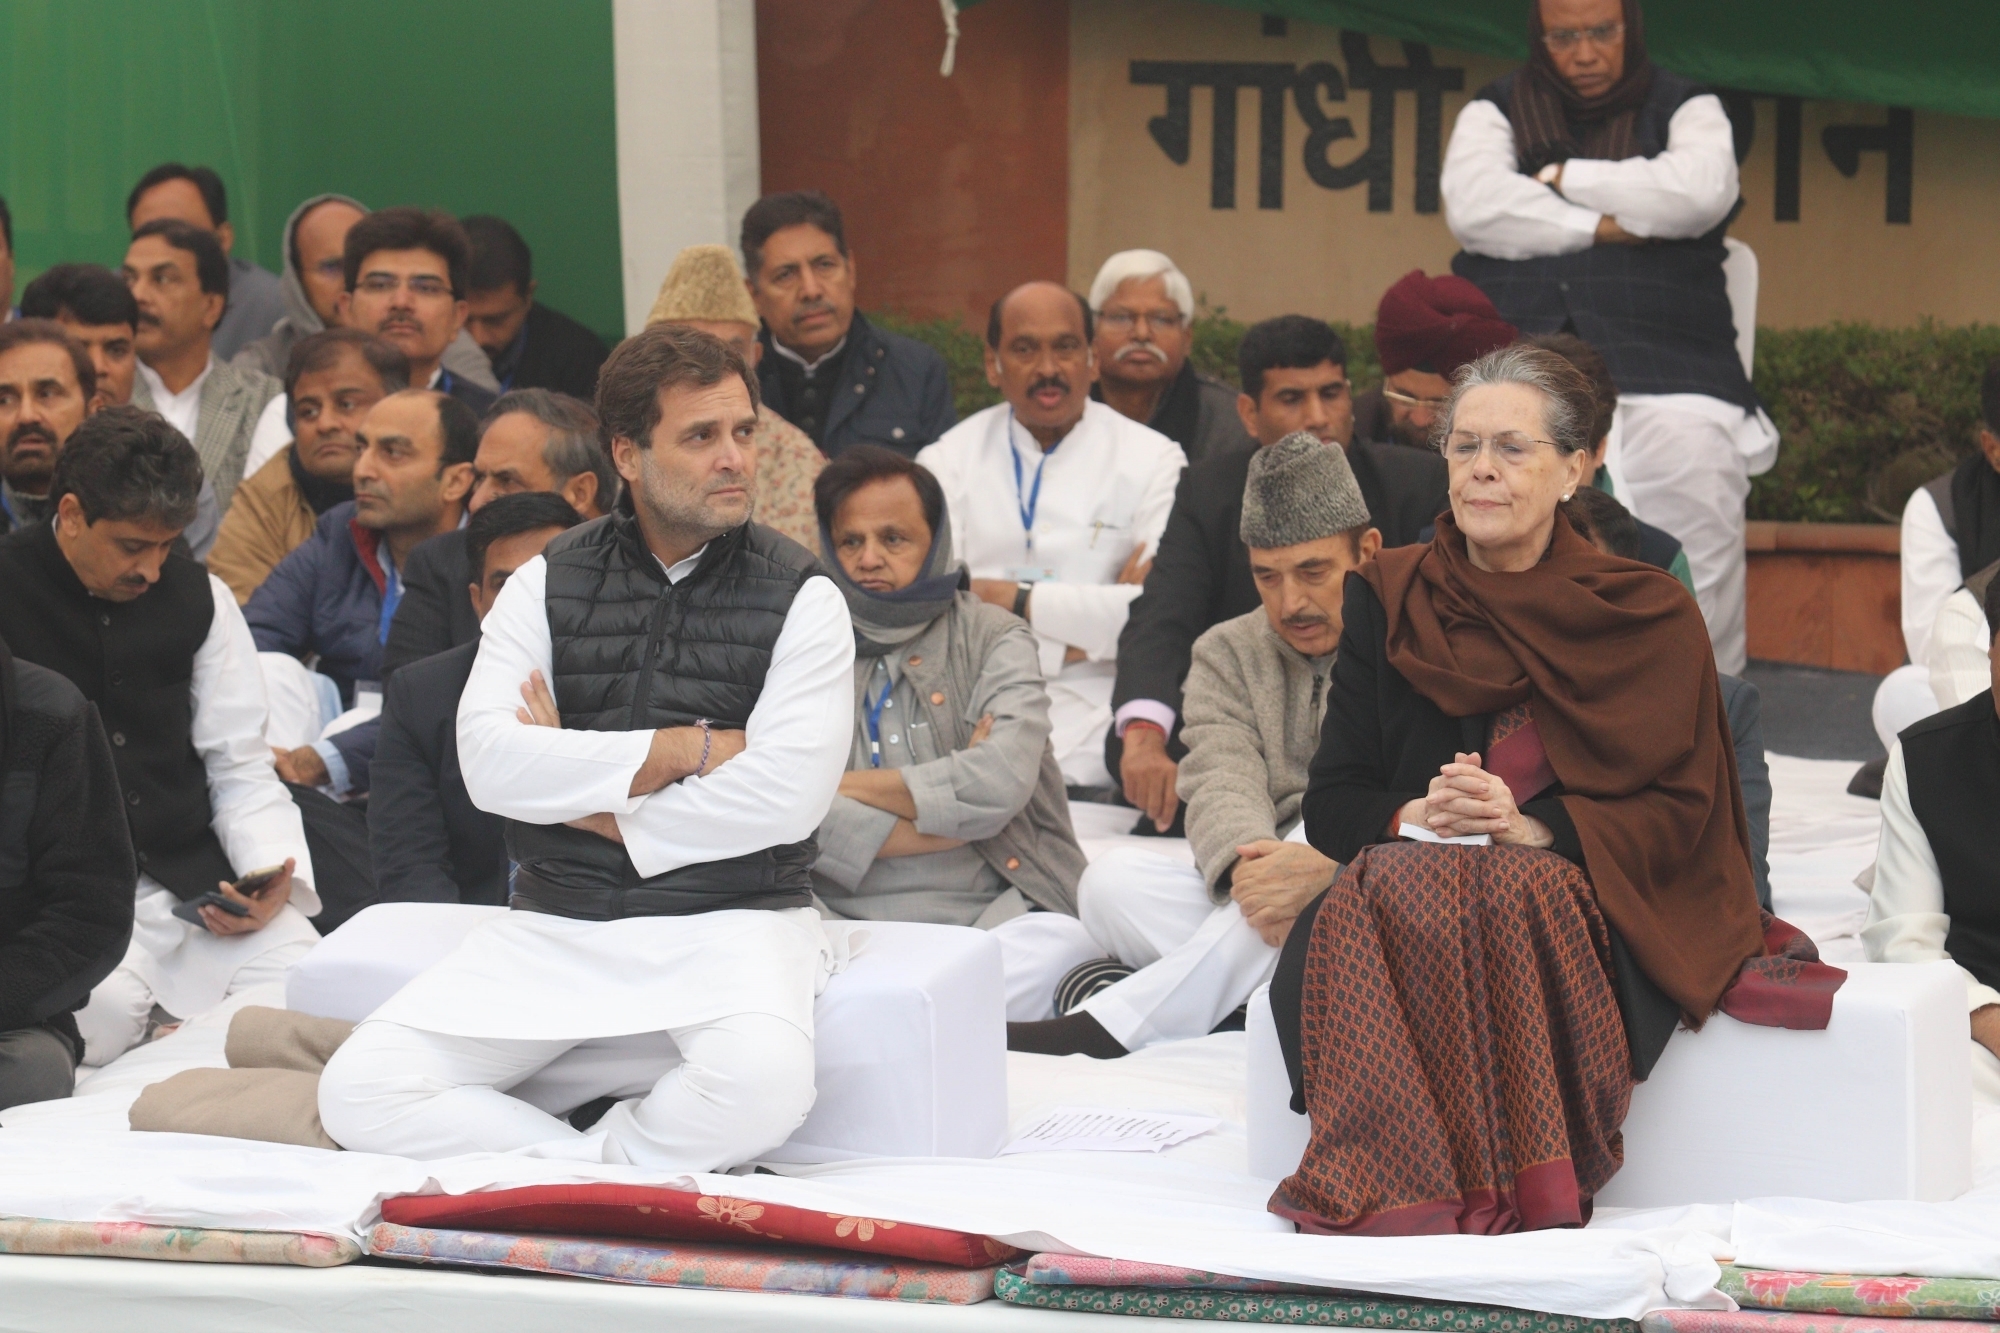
pixel 1021 591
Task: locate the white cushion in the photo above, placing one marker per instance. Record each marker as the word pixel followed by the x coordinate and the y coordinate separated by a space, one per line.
pixel 910 1047
pixel 1878 1106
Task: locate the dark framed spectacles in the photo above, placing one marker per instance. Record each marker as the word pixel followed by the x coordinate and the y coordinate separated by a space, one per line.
pixel 1568 39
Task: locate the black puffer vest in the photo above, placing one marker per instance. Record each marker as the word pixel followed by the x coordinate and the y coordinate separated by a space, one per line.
pixel 135 661
pixel 633 652
pixel 1658 312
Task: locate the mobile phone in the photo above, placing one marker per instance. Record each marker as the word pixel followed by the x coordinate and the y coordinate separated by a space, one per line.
pixel 190 911
pixel 257 881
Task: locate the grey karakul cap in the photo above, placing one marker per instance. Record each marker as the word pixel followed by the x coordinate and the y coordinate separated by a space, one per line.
pixel 1299 490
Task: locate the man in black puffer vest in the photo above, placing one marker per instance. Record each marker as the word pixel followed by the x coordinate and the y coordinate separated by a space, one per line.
pixel 661 710
pixel 1592 191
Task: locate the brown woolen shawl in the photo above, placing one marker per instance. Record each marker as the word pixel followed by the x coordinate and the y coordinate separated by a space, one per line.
pixel 1554 123
pixel 1614 661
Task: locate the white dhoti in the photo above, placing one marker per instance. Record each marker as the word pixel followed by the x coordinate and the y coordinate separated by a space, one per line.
pixel 1198 961
pixel 1686 461
pixel 182 968
pixel 701 1025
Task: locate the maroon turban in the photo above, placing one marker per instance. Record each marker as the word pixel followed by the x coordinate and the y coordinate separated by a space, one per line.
pixel 1436 325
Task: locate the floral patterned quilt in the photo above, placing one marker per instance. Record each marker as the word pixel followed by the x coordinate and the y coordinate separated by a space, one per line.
pixel 200 1245
pixel 1839 1293
pixel 1328 1310
pixel 1781 1321
pixel 698 1264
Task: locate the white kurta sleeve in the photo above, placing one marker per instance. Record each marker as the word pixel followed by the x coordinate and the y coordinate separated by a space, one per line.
pixel 538 775
pixel 1930 571
pixel 1092 616
pixel 1960 641
pixel 1495 210
pixel 1683 192
pixel 252 814
pixel 1906 917
pixel 796 746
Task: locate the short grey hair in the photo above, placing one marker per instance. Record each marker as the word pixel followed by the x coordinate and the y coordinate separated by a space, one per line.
pixel 1127 265
pixel 1569 402
pixel 573 447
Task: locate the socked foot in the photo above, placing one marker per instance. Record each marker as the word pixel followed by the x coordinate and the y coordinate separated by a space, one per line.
pixel 1072 1034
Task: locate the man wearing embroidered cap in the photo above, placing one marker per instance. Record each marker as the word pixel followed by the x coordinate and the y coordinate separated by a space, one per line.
pixel 1203 930
pixel 1425 329
pixel 704 290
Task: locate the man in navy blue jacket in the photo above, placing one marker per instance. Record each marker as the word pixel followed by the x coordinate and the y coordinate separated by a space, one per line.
pixel 335 595
pixel 825 368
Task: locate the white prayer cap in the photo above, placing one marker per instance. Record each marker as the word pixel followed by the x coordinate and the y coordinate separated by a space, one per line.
pixel 1129 264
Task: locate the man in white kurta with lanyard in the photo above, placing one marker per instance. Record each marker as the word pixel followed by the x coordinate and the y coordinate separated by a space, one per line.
pixel 1058 502
pixel 661 708
pixel 1591 190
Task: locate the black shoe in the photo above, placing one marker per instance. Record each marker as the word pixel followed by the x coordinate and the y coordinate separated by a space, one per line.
pixel 1072 1034
pixel 1867 779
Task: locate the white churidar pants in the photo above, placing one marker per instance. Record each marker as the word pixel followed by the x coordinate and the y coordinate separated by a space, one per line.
pixel 1197 961
pixel 1686 473
pixel 1037 950
pixel 699 1098
pixel 182 968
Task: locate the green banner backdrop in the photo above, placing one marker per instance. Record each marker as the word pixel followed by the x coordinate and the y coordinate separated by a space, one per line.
pixel 1941 55
pixel 475 106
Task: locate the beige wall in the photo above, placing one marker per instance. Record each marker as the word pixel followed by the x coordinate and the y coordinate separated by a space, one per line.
pixel 1324 252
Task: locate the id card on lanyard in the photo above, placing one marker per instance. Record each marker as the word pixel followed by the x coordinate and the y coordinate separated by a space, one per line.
pixel 1027 502
pixel 392 597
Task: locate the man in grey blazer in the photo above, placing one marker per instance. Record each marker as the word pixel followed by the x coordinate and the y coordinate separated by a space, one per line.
pixel 180 278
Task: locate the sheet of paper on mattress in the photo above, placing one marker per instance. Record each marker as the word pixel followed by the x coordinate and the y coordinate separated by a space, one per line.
pixel 1095 1129
pixel 1418 833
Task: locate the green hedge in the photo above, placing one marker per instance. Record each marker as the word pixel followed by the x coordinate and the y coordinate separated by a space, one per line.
pixel 1867 414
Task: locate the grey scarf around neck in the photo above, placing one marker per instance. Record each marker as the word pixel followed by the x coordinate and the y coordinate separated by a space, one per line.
pixel 884 620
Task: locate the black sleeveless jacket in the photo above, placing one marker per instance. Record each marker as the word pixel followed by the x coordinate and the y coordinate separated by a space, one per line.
pixel 1658 312
pixel 135 661
pixel 633 652
pixel 1953 762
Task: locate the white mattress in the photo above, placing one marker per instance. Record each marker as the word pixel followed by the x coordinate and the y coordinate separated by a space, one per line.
pixel 1194 1204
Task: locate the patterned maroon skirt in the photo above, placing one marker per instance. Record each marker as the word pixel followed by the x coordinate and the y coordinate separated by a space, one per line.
pixel 1464 1059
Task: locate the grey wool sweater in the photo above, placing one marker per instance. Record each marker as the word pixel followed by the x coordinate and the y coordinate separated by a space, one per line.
pixel 1251 716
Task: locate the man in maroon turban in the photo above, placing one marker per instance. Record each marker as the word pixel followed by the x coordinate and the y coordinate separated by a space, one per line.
pixel 1425 329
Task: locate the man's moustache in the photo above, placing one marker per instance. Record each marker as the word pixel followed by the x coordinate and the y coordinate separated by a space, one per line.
pixel 1048 382
pixel 1306 622
pixel 1130 350
pixel 26 432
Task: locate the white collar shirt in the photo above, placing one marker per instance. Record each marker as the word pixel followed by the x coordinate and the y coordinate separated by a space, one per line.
pixel 182 410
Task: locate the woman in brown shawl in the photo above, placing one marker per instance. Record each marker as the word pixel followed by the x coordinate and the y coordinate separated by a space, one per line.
pixel 1464 1023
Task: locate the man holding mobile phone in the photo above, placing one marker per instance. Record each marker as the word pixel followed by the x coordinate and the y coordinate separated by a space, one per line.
pixel 97 594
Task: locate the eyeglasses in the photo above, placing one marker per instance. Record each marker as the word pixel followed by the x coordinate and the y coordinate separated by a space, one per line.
pixel 1566 39
pixel 1408 400
pixel 331 269
pixel 1509 446
pixel 386 284
pixel 1123 321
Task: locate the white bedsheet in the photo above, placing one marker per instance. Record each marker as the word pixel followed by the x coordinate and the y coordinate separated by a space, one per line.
pixel 1193 1204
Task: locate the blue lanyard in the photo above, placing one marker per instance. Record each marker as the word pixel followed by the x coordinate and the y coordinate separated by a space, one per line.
pixel 392 596
pixel 1032 500
pixel 875 720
